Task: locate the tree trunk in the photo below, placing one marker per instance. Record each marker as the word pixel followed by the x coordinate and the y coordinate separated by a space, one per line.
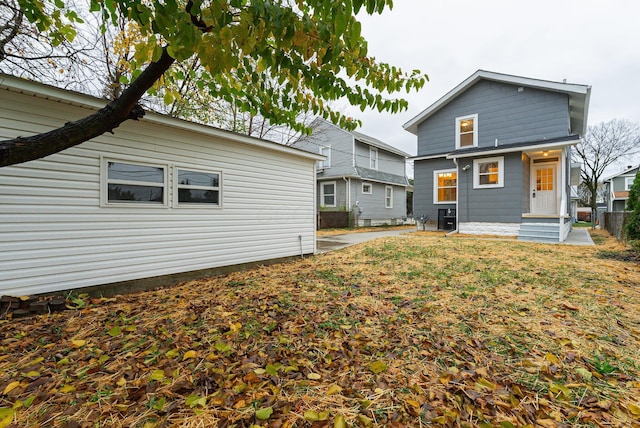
pixel 23 149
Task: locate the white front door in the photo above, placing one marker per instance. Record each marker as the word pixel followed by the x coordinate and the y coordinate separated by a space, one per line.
pixel 544 188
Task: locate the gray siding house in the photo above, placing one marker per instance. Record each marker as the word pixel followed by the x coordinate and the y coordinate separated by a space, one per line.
pixel 360 175
pixel 617 188
pixel 494 156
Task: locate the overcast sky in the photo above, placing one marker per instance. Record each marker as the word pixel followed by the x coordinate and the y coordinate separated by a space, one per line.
pixel 596 43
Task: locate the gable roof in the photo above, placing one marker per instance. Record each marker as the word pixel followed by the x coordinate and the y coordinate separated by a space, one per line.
pixel 578 97
pixel 626 171
pixel 65 96
pixel 365 139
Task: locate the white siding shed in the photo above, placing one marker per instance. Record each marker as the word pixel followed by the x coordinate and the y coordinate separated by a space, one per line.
pixel 66 223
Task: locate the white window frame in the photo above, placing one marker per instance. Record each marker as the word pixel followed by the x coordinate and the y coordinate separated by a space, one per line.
pixel 475 130
pixel 373 158
pixel 370 192
pixel 323 164
pixel 388 196
pixel 628 182
pixel 436 187
pixel 476 172
pixel 105 181
pixel 322 195
pixel 177 186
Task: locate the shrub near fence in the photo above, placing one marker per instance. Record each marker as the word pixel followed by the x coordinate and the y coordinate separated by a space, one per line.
pixel 615 222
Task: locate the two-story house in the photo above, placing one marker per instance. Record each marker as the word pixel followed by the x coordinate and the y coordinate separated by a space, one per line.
pixel 494 156
pixel 617 188
pixel 360 175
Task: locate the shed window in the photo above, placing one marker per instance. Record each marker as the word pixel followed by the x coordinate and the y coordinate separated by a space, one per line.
pixel 445 186
pixel 488 172
pixel 198 187
pixel 466 131
pixel 136 183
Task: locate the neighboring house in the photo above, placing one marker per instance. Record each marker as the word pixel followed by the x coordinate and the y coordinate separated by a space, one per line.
pixel 617 188
pixel 494 156
pixel 360 175
pixel 159 198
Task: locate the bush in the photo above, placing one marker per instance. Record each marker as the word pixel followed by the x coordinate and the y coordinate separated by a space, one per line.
pixel 633 204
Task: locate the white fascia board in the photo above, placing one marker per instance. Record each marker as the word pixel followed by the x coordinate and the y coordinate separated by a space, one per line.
pixel 537 147
pixel 52 93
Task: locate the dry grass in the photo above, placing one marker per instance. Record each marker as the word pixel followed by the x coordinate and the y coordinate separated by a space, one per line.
pixel 405 331
pixel 329 232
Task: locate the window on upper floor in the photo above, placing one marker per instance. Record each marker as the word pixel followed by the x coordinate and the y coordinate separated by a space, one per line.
pixel 467 131
pixel 373 158
pixel 328 194
pixel 628 182
pixel 325 151
pixel 488 172
pixel 445 186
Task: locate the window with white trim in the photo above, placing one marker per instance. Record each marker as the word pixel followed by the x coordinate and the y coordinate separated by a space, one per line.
pixel 388 196
pixel 197 187
pixel 445 186
pixel 467 131
pixel 132 182
pixel 488 172
pixel 373 158
pixel 328 194
pixel 325 151
pixel 367 188
pixel 628 182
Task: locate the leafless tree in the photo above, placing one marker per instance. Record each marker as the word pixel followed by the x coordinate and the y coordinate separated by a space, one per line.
pixel 26 52
pixel 605 144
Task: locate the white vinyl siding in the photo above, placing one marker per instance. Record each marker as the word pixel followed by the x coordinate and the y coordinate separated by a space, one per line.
pixel 55 235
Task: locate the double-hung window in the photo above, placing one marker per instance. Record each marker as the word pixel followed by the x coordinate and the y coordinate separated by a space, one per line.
pixel 198 187
pixel 628 182
pixel 388 196
pixel 373 158
pixel 132 182
pixel 488 172
pixel 326 163
pixel 467 131
pixel 445 186
pixel 328 194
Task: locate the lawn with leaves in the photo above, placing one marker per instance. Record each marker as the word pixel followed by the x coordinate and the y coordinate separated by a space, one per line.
pixel 405 331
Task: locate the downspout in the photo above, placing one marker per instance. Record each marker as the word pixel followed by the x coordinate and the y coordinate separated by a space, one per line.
pixel 347 183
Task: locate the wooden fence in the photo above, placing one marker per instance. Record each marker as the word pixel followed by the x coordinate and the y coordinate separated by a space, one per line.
pixel 615 222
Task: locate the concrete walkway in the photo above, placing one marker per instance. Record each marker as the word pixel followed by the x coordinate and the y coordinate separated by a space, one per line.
pixel 577 236
pixel 336 242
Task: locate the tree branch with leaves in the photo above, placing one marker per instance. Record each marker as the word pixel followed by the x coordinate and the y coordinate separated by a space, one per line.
pixel 313 48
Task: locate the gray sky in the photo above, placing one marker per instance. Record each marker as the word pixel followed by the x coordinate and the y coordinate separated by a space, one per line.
pixel 596 43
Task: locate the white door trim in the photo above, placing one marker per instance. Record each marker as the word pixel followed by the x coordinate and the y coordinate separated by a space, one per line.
pixel 544 202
